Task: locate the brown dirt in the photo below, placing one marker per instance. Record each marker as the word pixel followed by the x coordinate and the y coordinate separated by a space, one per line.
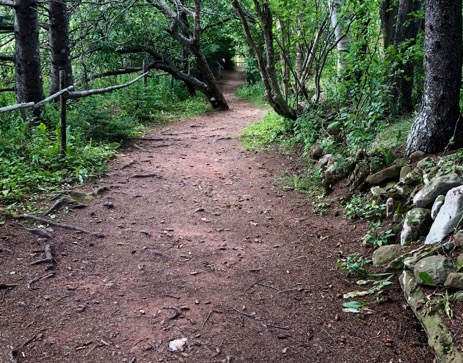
pixel 205 248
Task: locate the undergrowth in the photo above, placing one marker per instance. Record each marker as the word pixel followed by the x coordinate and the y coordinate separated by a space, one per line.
pixel 30 162
pixel 253 93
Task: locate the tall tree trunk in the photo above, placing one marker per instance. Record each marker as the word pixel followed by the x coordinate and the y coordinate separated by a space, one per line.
pixel 406 30
pixel 388 14
pixel 59 44
pixel 28 71
pixel 342 39
pixel 439 121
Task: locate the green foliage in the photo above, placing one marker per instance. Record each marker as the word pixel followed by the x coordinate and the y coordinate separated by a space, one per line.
pixel 359 207
pixel 391 136
pixel 320 208
pixel 355 263
pixel 266 133
pixel 377 237
pixel 426 278
pixel 355 307
pixel 30 161
pixel 29 156
pixel 253 93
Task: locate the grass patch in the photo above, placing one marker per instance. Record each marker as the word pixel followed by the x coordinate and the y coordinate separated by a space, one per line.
pixel 392 136
pixel 261 135
pixel 253 93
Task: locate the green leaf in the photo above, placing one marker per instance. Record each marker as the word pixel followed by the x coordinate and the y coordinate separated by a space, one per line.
pixel 424 276
pixel 354 307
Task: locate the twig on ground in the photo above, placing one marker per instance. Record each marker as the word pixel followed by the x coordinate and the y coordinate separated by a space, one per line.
pixel 254 284
pixel 15 351
pixel 58 204
pixel 172 296
pixel 268 286
pixel 48 257
pixel 209 315
pixel 139 148
pixel 39 278
pixel 298 289
pixel 7 286
pixel 265 323
pixel 37 231
pixel 152 175
pixel 61 225
pixel 129 164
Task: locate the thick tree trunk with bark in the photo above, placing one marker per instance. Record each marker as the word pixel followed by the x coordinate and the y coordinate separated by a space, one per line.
pixel 28 70
pixel 388 14
pixel 59 44
pixel 406 30
pixel 439 121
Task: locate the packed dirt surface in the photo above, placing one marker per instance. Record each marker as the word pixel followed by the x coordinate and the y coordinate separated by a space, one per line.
pixel 198 244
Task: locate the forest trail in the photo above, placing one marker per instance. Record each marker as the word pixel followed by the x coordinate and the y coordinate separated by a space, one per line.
pixel 199 244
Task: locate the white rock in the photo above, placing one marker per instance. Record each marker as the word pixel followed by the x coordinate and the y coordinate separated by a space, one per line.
pixel 438 203
pixel 448 217
pixel 178 345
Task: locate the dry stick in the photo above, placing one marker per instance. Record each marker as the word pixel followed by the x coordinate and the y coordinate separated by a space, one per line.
pixel 36 279
pixel 128 164
pixel 57 204
pixel 7 286
pixel 48 257
pixel 267 324
pixel 14 351
pixel 139 148
pixel 37 231
pixel 61 225
pixel 153 175
pixel 209 315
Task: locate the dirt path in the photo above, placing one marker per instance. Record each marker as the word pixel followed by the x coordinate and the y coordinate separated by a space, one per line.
pixel 199 245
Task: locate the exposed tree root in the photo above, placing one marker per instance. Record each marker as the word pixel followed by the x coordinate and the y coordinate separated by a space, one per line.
pixel 61 225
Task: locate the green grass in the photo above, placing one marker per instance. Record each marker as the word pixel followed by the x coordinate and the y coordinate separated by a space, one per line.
pixel 268 132
pixel 253 93
pixel 392 136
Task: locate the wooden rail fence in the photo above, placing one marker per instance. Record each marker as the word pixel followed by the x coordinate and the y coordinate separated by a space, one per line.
pixel 67 93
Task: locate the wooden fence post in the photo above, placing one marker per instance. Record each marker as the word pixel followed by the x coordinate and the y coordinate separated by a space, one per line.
pixel 145 77
pixel 62 104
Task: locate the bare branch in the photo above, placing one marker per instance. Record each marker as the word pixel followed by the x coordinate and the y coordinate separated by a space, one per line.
pixel 103 90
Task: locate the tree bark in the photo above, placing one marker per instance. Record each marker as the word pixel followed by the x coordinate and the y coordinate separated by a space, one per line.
pixel 406 31
pixel 438 122
pixel 388 14
pixel 59 44
pixel 28 72
pixel 342 39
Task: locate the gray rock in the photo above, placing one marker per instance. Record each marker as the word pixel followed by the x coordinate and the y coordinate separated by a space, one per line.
pixel 438 185
pixel 412 178
pixel 448 217
pixel 389 173
pixel 404 171
pixel 454 281
pixel 358 176
pixel 316 152
pixel 417 222
pixel 436 267
pixel 385 254
pixel 416 156
pixel 437 206
pixel 326 160
pixel 439 337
